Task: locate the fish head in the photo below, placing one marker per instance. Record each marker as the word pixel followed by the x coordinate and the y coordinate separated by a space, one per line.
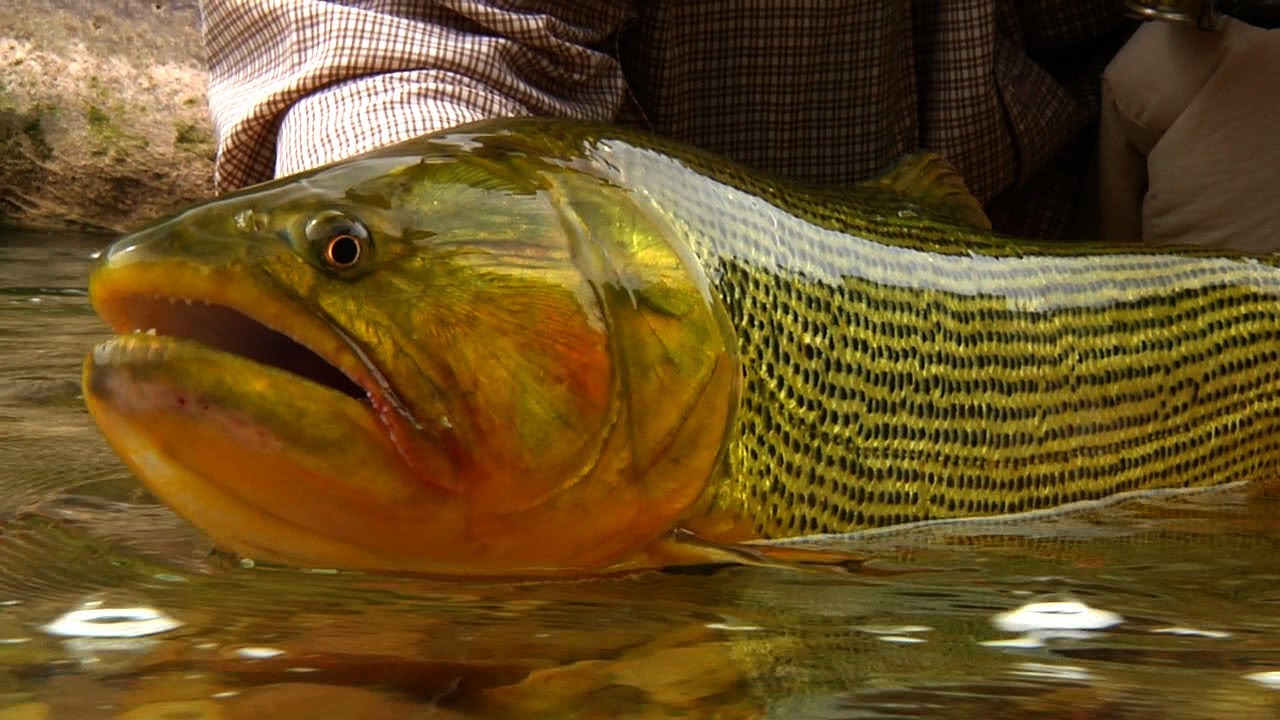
pixel 458 355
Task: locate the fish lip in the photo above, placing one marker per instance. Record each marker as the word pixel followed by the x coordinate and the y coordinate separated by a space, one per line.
pixel 237 289
pixel 137 350
pixel 116 310
pixel 129 359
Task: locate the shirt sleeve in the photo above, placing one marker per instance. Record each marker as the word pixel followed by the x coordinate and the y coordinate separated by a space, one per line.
pixel 294 84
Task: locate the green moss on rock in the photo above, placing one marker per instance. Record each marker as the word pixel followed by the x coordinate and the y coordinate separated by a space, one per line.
pixel 108 136
pixel 25 131
pixel 186 133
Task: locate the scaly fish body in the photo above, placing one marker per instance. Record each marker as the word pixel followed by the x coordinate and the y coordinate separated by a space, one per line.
pixel 539 347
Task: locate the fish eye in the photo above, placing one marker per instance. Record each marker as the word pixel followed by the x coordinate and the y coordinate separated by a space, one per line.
pixel 341 240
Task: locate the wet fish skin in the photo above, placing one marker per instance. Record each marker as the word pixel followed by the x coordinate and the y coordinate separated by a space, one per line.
pixel 575 339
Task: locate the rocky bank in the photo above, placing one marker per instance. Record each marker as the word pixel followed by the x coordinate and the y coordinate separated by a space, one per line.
pixel 103 121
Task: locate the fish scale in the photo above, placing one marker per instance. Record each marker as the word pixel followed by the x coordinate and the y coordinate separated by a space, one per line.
pixel 568 348
pixel 899 368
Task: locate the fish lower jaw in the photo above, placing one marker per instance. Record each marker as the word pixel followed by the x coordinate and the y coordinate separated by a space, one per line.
pixel 179 299
pixel 138 347
pixel 146 367
pixel 230 520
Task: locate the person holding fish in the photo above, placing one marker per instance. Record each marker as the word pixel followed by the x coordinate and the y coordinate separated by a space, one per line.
pixel 831 93
pixel 1187 142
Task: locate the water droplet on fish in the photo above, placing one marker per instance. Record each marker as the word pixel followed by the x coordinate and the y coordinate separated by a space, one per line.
pixel 244 220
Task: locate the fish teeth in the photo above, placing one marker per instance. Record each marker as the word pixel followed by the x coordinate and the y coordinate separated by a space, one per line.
pixel 174 299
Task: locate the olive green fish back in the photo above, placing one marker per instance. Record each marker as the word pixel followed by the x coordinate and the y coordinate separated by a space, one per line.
pixel 900 368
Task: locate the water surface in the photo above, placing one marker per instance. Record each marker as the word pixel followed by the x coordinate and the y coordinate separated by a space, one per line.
pixel 110 606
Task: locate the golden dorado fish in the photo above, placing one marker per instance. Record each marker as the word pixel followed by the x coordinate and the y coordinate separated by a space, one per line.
pixel 538 347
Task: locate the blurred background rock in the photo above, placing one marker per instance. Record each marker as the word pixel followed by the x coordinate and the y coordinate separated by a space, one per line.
pixel 103 120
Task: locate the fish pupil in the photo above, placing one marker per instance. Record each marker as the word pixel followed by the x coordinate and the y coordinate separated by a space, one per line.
pixel 343 251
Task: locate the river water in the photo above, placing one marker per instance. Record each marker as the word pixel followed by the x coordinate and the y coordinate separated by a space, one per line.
pixel 110 606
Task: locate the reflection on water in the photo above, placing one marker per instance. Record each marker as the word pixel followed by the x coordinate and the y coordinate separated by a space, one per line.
pixel 111 607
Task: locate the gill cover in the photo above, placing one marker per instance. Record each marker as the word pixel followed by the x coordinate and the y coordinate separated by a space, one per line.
pixel 588 376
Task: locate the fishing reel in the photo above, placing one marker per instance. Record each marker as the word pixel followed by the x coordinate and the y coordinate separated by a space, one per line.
pixel 1209 14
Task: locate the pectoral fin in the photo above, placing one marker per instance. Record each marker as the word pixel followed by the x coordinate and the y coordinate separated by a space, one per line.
pixel 683 548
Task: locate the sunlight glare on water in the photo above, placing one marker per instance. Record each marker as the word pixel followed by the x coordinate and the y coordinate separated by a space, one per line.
pixel 110 606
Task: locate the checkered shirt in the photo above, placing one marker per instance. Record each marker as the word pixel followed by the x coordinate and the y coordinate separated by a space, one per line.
pixel 820 90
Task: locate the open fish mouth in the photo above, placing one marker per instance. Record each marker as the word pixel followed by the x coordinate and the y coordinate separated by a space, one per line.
pixel 224 329
pixel 238 325
pixel 216 380
pixel 233 311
